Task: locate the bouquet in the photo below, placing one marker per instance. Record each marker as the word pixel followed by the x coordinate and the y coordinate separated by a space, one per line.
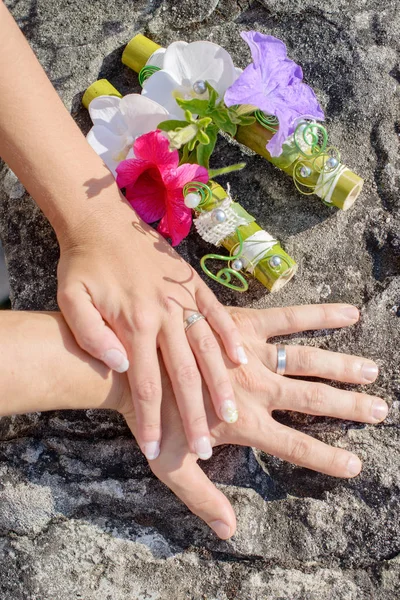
pixel 267 106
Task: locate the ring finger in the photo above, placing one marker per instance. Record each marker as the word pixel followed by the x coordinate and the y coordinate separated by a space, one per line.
pixel 313 362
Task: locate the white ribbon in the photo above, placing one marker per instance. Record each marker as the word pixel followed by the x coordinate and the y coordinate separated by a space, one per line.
pixel 255 247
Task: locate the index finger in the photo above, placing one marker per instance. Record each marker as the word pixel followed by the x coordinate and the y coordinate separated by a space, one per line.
pixel 272 322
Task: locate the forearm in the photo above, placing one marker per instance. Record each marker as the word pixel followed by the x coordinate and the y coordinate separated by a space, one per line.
pixel 40 141
pixel 42 368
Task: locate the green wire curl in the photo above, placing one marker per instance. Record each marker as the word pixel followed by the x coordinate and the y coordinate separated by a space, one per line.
pixel 224 275
pixel 269 122
pixel 146 72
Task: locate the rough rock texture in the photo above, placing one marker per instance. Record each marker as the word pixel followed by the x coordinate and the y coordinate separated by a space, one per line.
pixel 81 516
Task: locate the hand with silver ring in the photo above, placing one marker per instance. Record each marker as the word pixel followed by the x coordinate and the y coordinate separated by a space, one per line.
pixel 258 389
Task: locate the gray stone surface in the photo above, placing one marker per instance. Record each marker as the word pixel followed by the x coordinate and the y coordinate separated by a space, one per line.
pixel 81 516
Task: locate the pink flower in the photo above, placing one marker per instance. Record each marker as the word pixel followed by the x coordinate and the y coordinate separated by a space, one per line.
pixel 154 185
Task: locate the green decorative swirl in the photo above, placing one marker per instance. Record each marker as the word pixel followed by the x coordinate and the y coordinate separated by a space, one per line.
pixel 269 122
pixel 315 156
pixel 197 187
pixel 224 276
pixel 146 72
pixel 310 138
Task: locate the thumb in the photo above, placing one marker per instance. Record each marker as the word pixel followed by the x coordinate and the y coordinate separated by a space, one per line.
pixel 91 332
pixel 192 486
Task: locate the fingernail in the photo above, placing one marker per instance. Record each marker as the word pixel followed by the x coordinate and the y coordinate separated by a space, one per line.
pixel 350 312
pixel 379 410
pixel 221 529
pixel 203 448
pixel 242 357
pixel 229 412
pixel 151 450
pixel 116 361
pixel 369 371
pixel 354 466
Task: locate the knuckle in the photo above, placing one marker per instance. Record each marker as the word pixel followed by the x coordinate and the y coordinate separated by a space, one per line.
pixel 315 398
pixel 213 308
pixel 169 305
pixel 241 320
pixel 207 343
pixel 187 374
pixel 147 391
pixel 305 360
pixel 65 296
pixel 141 320
pixel 198 423
pixel 290 316
pixel 298 451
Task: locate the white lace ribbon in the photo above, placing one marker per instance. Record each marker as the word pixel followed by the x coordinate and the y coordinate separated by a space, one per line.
pixel 215 233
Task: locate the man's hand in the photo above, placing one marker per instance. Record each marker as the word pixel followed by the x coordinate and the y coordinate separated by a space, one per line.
pixel 259 391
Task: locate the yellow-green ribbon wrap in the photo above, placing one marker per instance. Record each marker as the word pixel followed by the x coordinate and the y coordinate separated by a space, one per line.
pixel 345 188
pixel 273 277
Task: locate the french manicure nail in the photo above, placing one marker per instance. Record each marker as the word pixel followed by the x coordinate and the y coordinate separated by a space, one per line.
pixel 379 410
pixel 229 412
pixel 221 529
pixel 203 448
pixel 151 450
pixel 350 312
pixel 242 357
pixel 369 372
pixel 354 466
pixel 116 361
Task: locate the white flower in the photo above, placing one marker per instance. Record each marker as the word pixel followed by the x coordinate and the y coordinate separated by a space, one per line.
pixel 183 65
pixel 117 122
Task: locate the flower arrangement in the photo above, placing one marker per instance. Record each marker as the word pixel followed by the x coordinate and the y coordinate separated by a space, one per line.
pixel 267 106
pixel 158 145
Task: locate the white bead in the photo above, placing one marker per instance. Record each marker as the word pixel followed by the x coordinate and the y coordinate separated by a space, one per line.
pixel 332 162
pixel 275 261
pixel 237 264
pixel 305 171
pixel 192 200
pixel 218 216
pixel 199 87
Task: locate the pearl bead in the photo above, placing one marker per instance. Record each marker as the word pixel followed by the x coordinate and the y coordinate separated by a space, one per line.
pixel 332 162
pixel 237 264
pixel 305 171
pixel 218 216
pixel 275 261
pixel 199 87
pixel 192 200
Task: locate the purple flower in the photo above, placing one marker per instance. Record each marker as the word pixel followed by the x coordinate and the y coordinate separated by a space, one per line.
pixel 274 84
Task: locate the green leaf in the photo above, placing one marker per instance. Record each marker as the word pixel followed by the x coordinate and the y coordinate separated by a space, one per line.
pixel 203 137
pixel 171 125
pixel 216 172
pixel 204 151
pixel 199 107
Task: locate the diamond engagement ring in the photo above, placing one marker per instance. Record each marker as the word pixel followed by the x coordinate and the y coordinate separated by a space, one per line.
pixel 281 359
pixel 192 320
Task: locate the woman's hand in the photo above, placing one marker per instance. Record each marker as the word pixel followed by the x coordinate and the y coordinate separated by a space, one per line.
pixel 259 391
pixel 124 293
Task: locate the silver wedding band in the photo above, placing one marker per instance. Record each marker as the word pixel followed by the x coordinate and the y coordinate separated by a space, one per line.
pixel 192 320
pixel 281 359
